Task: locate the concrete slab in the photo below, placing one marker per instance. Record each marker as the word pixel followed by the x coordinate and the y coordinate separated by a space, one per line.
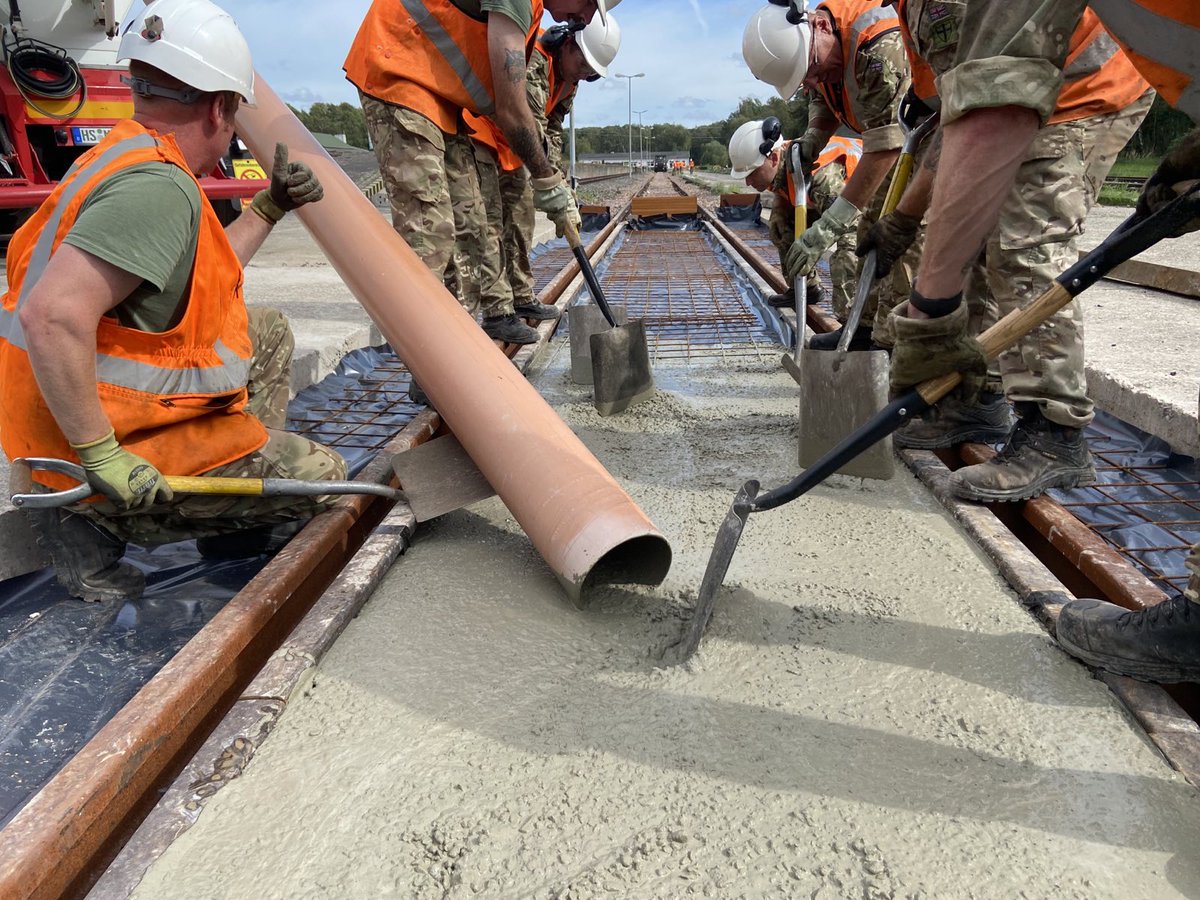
pixel 1141 349
pixel 872 713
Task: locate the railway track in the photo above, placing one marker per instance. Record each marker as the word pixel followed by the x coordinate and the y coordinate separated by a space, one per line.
pixel 63 840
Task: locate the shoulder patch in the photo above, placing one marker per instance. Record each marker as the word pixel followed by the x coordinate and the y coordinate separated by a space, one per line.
pixel 943 32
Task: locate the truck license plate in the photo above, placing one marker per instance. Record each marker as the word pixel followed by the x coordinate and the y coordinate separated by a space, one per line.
pixel 88 135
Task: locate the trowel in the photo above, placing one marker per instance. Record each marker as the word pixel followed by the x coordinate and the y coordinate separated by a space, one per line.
pixel 839 390
pixel 621 375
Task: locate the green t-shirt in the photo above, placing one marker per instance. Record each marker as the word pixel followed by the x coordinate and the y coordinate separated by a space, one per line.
pixel 520 11
pixel 145 220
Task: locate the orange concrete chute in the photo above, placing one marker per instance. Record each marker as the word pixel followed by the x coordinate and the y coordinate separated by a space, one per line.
pixel 582 522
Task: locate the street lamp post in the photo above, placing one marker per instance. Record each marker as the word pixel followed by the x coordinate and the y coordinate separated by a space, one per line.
pixel 641 137
pixel 629 81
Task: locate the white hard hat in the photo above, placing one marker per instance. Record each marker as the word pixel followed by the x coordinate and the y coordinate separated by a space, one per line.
pixel 193 40
pixel 776 50
pixel 599 43
pixel 750 144
pixel 602 8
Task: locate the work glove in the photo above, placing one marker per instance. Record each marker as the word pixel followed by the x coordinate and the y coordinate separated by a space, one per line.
pixel 1181 164
pixel 808 152
pixel 890 238
pixel 292 185
pixel 802 256
pixel 130 482
pixel 927 348
pixel 552 196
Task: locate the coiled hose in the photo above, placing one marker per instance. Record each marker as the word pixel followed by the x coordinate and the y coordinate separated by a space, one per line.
pixel 41 69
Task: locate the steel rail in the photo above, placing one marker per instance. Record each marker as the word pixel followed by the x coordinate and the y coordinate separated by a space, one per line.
pixel 60 842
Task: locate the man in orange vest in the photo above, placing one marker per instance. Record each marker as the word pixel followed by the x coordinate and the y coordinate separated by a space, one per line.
pixel 125 343
pixel 563 56
pixel 418 65
pixel 849 53
pixel 988 123
pixel 1101 105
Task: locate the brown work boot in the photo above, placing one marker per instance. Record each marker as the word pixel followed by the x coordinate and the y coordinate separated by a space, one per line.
pixel 951 421
pixel 1039 455
pixel 86 556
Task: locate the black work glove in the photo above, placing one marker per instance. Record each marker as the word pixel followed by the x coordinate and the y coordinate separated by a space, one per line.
pixel 890 238
pixel 1181 164
pixel 928 348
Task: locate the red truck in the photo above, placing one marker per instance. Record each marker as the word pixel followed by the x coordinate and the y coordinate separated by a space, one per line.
pixel 60 92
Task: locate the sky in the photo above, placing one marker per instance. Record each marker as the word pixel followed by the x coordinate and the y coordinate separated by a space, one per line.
pixel 689 50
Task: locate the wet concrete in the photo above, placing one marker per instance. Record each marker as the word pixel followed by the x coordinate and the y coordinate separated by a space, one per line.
pixel 871 715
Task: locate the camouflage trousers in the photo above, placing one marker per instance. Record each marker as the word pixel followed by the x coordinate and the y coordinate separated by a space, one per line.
pixel 480 251
pixel 828 182
pixel 517 196
pixel 432 186
pixel 1035 240
pixel 284 455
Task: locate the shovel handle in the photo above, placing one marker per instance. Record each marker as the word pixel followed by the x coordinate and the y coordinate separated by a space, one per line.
pixel 589 274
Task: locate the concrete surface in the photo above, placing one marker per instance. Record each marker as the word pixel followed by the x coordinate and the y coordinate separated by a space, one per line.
pixel 872 714
pixel 1143 347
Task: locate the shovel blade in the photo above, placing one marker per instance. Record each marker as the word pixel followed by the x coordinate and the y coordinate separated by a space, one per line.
pixel 438 477
pixel 621 375
pixel 837 399
pixel 583 321
pixel 726 543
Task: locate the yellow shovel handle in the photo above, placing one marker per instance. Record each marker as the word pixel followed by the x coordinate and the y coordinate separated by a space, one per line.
pixel 900 179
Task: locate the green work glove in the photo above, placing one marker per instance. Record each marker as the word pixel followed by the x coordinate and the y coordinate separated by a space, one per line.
pixel 1181 164
pixel 292 185
pixel 802 256
pixel 126 479
pixel 927 348
pixel 553 196
pixel 890 238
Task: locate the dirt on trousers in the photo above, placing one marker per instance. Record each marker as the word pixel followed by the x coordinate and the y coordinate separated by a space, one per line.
pixel 872 714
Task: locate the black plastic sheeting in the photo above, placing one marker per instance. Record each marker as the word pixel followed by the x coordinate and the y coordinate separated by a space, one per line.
pixel 738 215
pixel 66 667
pixel 1128 462
pixel 594 221
pixel 664 222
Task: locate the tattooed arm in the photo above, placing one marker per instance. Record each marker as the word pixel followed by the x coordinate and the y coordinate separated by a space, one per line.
pixel 506 51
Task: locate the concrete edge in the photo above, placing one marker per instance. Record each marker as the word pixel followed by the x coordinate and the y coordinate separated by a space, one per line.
pixel 232 745
pixel 1172 732
pixel 1174 424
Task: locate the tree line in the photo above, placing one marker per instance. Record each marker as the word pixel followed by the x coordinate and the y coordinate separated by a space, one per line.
pixel 707 144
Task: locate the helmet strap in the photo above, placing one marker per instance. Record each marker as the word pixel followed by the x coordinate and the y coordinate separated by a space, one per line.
pixel 144 88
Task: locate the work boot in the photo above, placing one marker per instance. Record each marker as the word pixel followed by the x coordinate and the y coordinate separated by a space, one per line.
pixel 539 312
pixel 786 300
pixel 86 556
pixel 829 340
pixel 509 329
pixel 417 395
pixel 1161 643
pixel 1039 455
pixel 814 294
pixel 951 421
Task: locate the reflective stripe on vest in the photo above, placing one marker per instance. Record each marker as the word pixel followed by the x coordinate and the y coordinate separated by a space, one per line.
pixel 10 325
pixel 452 53
pixel 230 376
pixel 1164 46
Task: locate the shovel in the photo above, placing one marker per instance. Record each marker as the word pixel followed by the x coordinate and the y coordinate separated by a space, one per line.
pixel 1130 238
pixel 839 391
pixel 621 375
pixel 21 482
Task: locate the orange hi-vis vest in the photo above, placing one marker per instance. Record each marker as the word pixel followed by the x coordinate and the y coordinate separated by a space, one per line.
pixel 1162 39
pixel 788 198
pixel 485 130
pixel 177 397
pixel 428 56
pixel 859 23
pixel 1098 78
pixel 841 148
